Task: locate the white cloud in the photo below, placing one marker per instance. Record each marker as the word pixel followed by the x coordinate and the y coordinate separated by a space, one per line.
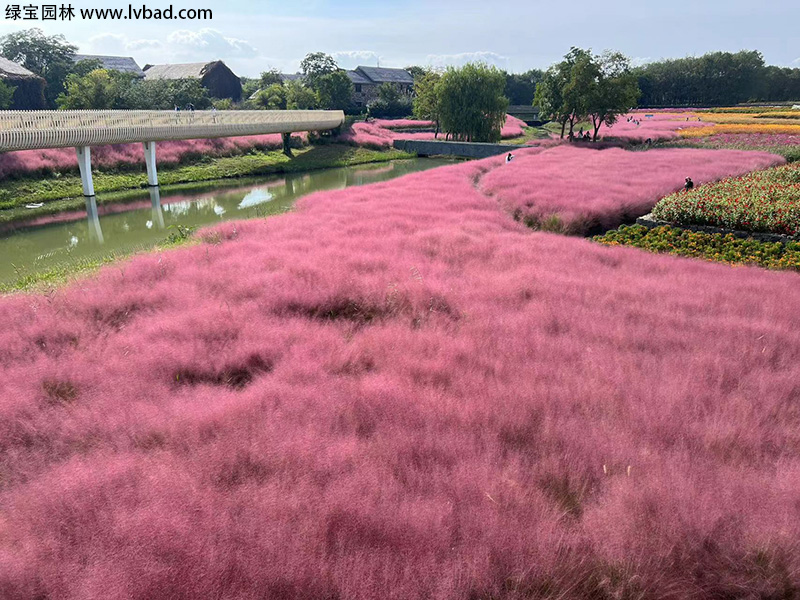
pixel 638 61
pixel 209 43
pixel 107 43
pixel 458 60
pixel 350 59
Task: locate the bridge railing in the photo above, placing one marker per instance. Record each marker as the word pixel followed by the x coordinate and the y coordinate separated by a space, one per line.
pixel 27 130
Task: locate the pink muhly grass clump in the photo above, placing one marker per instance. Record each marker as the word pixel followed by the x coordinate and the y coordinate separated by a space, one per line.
pixel 403 123
pixel 369 135
pixel 424 399
pixel 513 127
pixel 579 191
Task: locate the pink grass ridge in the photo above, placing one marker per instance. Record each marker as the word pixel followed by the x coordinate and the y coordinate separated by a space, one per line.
pixel 399 391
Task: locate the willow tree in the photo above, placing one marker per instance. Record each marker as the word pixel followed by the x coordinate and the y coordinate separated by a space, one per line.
pixel 426 102
pixel 471 103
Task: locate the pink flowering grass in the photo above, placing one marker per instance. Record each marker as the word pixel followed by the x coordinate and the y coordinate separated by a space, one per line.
pixel 30 162
pixel 403 123
pixel 580 191
pixel 399 392
pixel 380 133
pixel 659 127
pixel 513 127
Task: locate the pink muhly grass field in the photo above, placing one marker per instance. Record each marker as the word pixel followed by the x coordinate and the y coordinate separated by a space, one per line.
pixel 658 127
pixel 402 123
pixel 578 190
pixel 27 162
pixel 380 133
pixel 398 392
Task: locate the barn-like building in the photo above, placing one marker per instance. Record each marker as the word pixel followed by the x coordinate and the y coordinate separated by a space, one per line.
pixel 215 76
pixel 29 93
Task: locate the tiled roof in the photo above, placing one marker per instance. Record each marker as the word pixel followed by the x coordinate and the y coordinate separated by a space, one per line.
pixel 386 75
pixel 357 77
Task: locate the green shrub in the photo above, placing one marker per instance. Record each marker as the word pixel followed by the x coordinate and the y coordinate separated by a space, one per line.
pixel 717 247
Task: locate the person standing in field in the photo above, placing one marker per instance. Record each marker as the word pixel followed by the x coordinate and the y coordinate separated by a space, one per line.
pixel 509 158
pixel 689 185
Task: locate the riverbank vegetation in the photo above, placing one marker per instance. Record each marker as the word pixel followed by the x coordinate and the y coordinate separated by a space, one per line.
pixel 65 192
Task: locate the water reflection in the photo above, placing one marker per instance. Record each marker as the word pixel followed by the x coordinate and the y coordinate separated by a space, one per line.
pixel 158 212
pixel 142 222
pixel 93 219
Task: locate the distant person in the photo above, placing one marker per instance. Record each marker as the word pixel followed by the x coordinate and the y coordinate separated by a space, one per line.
pixel 649 141
pixel 587 137
pixel 689 185
pixel 509 158
pixel 190 107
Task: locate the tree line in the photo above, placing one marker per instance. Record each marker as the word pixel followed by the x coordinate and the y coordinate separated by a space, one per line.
pixel 716 79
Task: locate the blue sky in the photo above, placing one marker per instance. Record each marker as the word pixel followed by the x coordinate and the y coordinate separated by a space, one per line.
pixel 252 35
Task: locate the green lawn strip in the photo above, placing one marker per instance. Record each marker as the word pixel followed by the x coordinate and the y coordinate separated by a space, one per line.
pixel 65 193
pixel 529 134
pixel 717 247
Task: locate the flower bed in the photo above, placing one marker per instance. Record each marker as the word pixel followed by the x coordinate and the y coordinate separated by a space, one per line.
pixel 579 190
pixel 746 128
pixel 765 201
pixel 708 246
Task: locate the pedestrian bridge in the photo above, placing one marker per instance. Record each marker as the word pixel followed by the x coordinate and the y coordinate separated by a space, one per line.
pixel 81 129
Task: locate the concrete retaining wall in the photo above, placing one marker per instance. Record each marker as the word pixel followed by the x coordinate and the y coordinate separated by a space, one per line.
pixel 462 149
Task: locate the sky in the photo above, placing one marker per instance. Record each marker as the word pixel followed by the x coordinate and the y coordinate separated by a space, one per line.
pixel 254 35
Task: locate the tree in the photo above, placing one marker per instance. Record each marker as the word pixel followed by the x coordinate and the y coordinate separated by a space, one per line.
pixel 96 90
pixel 334 90
pixel 520 88
pixel 270 77
pixel 164 94
pixel 471 103
pixel 565 90
pixel 416 71
pixel 299 97
pixel 86 66
pixel 614 92
pixel 426 102
pixel 316 65
pixel 48 57
pixel 273 97
pixel 6 94
pixel 390 102
pixel 714 79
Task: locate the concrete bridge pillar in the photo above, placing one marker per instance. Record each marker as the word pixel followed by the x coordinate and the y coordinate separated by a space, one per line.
pixel 150 161
pixel 85 166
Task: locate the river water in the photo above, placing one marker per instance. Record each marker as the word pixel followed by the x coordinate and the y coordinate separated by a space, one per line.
pixel 70 238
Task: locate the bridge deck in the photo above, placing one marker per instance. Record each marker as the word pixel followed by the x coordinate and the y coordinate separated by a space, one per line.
pixel 28 130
